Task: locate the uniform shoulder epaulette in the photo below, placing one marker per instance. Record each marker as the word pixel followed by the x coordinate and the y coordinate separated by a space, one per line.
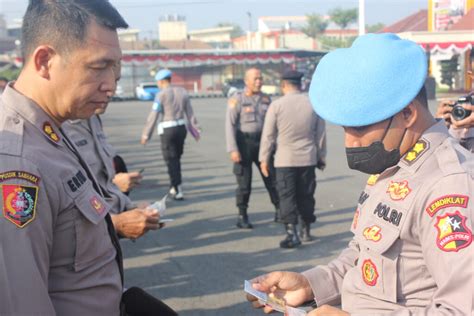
pixel 11 133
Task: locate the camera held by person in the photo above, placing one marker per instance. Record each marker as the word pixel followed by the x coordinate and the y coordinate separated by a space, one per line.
pixel 459 112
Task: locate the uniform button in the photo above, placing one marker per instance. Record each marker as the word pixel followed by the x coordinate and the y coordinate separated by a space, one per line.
pixel 16 120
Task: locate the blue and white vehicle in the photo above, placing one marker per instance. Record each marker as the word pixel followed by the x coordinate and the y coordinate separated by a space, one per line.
pixel 146 91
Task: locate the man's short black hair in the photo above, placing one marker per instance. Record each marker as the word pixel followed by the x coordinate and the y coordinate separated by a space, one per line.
pixel 421 98
pixel 63 23
pixel 3 79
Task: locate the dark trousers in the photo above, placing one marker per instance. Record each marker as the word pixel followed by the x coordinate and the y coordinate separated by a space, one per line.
pixel 249 146
pixel 296 186
pixel 172 143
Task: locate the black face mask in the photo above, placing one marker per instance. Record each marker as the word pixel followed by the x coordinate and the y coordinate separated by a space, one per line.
pixel 374 158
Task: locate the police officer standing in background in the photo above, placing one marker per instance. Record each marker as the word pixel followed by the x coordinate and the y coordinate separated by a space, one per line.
pixel 59 253
pixel 411 251
pixel 244 123
pixel 171 104
pixel 299 136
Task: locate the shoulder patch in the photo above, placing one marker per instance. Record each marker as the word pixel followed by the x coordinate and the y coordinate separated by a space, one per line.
pixel 416 152
pixel 453 200
pixel 22 175
pixel 232 103
pixel 19 203
pixel 453 234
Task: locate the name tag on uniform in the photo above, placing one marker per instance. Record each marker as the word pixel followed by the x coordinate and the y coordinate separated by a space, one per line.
pixel 249 109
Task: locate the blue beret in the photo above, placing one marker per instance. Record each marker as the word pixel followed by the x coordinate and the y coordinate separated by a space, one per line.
pixel 378 76
pixel 163 74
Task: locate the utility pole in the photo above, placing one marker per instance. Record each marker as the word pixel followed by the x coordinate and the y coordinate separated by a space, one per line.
pixel 361 17
pixel 249 32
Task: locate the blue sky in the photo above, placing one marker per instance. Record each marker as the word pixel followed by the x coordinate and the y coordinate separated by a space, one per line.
pixel 144 14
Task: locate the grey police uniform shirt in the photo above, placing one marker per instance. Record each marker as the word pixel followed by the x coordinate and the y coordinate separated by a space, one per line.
pixel 245 113
pixel 465 136
pixel 171 104
pixel 56 256
pixel 90 140
pixel 412 251
pixel 295 131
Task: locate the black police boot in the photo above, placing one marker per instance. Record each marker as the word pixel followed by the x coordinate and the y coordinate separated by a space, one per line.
pixel 292 240
pixel 305 231
pixel 243 220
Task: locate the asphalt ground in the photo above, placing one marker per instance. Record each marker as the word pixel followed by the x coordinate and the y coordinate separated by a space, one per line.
pixel 197 264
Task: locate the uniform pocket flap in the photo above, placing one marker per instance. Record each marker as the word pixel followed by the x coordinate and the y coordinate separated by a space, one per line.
pixel 378 236
pixel 92 206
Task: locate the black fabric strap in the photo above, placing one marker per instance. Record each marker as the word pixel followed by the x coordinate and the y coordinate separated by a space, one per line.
pixel 110 226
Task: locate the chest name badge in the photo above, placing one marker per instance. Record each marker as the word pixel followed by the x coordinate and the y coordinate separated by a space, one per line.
pixel 398 190
pixel 19 203
pixel 369 272
pixel 388 214
pixel 76 181
pixel 453 234
pixel 363 197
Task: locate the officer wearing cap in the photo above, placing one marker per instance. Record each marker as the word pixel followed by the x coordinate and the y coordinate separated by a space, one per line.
pixel 244 123
pixel 299 136
pixel 59 253
pixel 412 252
pixel 171 106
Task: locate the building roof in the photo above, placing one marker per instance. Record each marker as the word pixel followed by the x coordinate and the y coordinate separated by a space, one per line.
pixel 185 44
pixel 416 22
pixel 465 23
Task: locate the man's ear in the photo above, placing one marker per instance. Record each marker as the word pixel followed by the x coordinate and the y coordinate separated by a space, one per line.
pixel 409 115
pixel 43 58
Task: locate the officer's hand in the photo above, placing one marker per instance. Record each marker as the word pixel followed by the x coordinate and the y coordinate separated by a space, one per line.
pixel 143 141
pixel 292 287
pixel 135 223
pixel 444 110
pixel 127 181
pixel 327 310
pixel 468 122
pixel 265 169
pixel 321 165
pixel 235 157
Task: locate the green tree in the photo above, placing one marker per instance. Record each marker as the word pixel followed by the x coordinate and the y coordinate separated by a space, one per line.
pixel 343 17
pixel 236 32
pixel 374 28
pixel 315 26
pixel 449 68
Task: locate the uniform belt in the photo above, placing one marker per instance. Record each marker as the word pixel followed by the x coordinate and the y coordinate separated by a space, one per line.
pixel 253 135
pixel 169 124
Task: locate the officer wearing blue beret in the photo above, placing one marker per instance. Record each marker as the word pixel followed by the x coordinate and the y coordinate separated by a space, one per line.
pixel 172 109
pixel 411 251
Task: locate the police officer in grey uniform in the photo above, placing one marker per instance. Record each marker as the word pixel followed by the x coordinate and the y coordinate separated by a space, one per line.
pixel 412 250
pixel 244 123
pixel 171 106
pixel 89 137
pixel 299 136
pixel 59 253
